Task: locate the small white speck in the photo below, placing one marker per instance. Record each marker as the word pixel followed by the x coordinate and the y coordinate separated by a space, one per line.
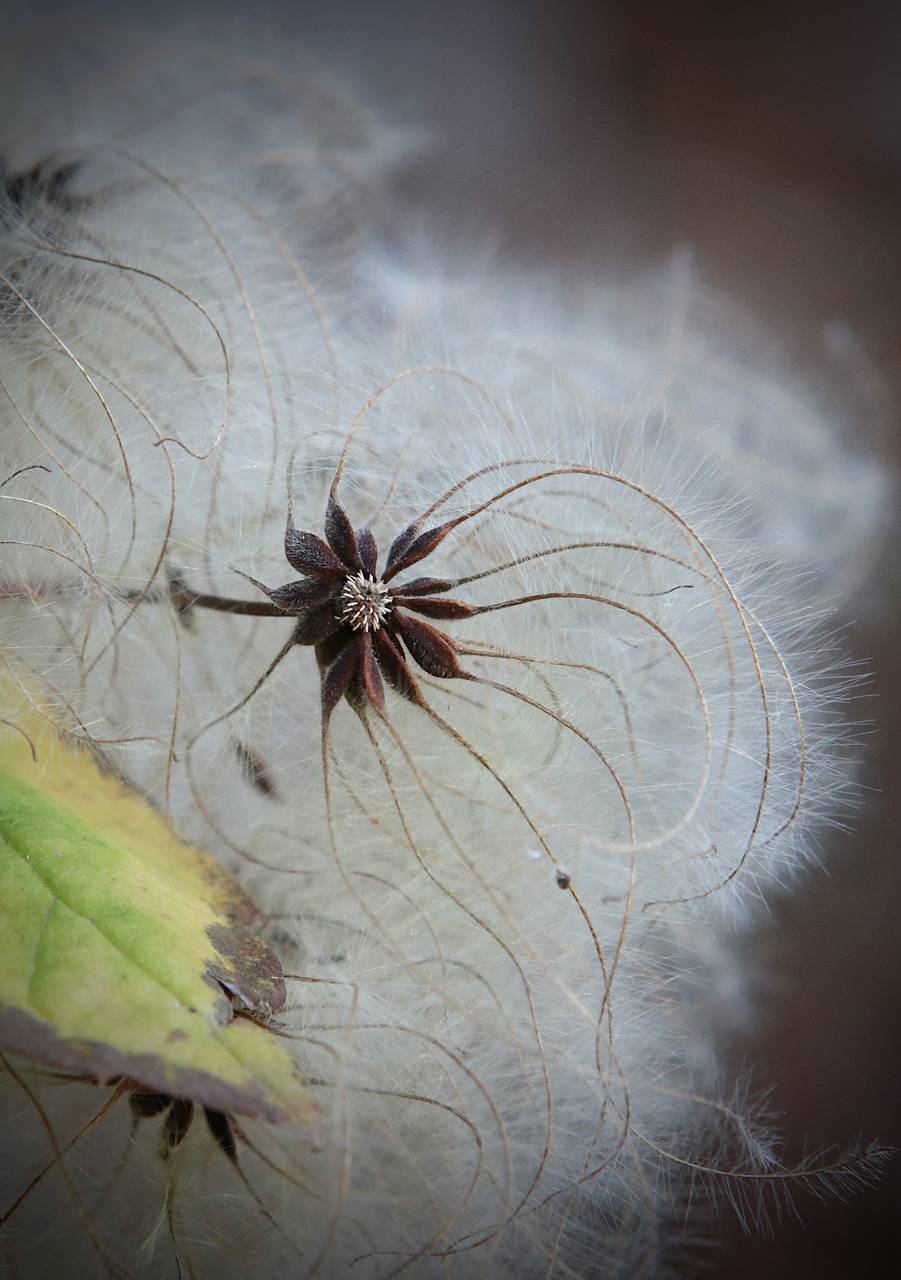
pixel 534 854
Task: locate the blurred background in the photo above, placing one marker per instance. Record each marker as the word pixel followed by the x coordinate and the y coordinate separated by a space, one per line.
pixel 767 138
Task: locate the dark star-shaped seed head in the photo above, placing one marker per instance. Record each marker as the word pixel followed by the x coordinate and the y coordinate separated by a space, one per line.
pixel 363 629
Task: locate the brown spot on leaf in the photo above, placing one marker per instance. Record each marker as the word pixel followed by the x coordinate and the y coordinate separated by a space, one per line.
pixel 249 971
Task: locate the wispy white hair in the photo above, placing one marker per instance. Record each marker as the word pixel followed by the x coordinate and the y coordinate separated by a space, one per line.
pixel 507 911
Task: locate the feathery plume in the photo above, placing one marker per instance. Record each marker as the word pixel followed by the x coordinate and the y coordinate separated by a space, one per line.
pixel 534 720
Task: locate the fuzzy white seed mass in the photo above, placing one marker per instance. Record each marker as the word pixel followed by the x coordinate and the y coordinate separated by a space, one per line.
pixel 502 898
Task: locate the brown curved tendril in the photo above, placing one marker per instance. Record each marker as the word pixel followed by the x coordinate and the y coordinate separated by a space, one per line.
pixel 372 625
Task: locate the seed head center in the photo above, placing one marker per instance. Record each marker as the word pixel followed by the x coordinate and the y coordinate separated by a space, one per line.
pixel 364 602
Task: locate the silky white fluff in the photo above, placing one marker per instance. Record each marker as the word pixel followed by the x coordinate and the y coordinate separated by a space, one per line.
pixel 507 942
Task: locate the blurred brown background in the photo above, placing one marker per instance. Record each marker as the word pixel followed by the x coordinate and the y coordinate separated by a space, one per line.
pixel 768 138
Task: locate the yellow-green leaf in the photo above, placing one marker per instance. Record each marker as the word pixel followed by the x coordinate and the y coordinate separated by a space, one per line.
pixel 123 952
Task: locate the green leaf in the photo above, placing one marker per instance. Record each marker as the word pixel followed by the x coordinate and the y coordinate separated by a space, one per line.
pixel 124 952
